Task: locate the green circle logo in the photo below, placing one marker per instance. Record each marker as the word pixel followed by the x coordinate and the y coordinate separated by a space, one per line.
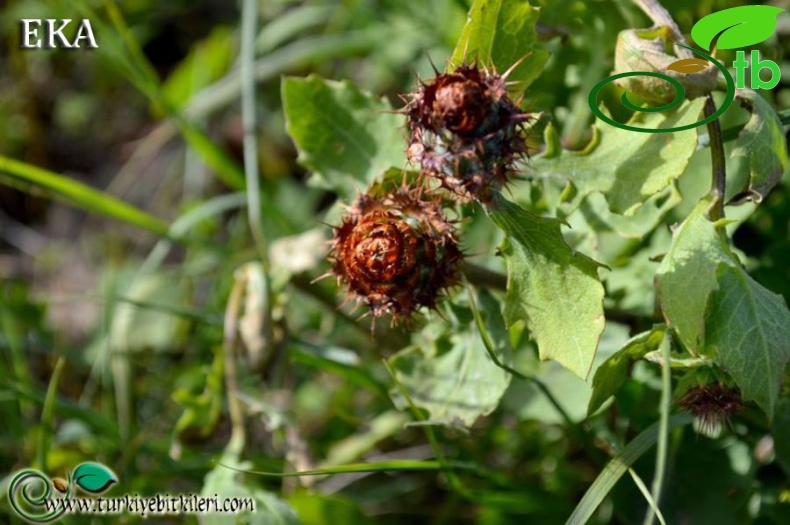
pixel 680 94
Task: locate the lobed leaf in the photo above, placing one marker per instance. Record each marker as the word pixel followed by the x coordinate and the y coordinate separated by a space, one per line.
pixel 555 291
pixel 628 168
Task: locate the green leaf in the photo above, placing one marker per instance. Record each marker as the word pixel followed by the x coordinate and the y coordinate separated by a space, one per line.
pixel 613 373
pixel 627 167
pixel 93 477
pixel 762 142
pixel 748 329
pixel 555 291
pixel 502 32
pixel 83 196
pixel 716 309
pixel 687 276
pixel 347 137
pixel 644 220
pixel 738 26
pixel 452 376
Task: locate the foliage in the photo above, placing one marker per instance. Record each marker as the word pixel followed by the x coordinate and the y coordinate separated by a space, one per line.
pixel 164 327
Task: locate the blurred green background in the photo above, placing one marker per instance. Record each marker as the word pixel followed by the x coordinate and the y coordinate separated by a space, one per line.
pixel 111 318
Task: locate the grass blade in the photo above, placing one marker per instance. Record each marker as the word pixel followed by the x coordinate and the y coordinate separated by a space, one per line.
pixel 618 466
pixel 82 196
pixel 382 466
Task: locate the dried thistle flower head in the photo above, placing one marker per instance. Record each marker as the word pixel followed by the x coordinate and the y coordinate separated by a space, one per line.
pixel 712 404
pixel 395 253
pixel 466 132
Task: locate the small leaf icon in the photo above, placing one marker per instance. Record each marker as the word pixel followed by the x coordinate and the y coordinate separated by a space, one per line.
pixel 60 484
pixel 738 26
pixel 94 477
pixel 688 65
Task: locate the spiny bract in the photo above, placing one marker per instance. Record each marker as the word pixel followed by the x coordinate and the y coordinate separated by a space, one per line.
pixel 395 253
pixel 466 132
pixel 712 404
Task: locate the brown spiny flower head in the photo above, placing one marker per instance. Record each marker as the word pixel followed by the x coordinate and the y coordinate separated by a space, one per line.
pixel 396 252
pixel 712 404
pixel 466 132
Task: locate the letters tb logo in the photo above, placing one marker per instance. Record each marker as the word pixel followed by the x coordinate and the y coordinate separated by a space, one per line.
pixel 740 27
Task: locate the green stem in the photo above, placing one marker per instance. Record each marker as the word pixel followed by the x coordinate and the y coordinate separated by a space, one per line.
pixel 719 174
pixel 479 275
pixel 249 17
pixel 663 427
pixel 48 415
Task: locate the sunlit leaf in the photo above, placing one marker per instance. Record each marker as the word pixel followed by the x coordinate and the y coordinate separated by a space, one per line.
pixel 687 276
pixel 502 32
pixel 555 291
pixel 78 194
pixel 628 168
pixel 716 309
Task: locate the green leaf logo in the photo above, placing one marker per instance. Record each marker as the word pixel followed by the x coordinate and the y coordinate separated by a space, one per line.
pixel 94 477
pixel 736 27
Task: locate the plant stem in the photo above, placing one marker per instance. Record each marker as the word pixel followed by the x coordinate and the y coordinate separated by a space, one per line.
pixel 663 428
pixel 46 428
pixel 249 17
pixel 231 323
pixel 719 174
pixel 481 276
pixel 249 121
